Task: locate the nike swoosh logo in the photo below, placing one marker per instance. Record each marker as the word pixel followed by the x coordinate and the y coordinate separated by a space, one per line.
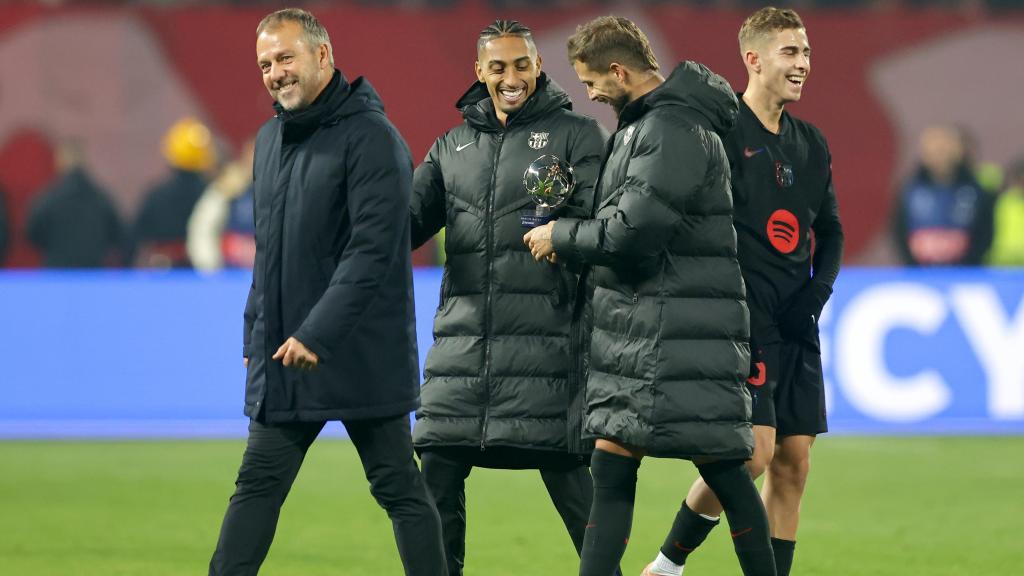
pixel 739 533
pixel 681 547
pixel 751 152
pixel 464 146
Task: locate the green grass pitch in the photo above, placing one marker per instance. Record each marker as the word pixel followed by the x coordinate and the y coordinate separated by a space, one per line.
pixel 875 506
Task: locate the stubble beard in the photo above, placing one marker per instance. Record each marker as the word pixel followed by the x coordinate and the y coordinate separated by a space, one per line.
pixel 619 103
pixel 293 102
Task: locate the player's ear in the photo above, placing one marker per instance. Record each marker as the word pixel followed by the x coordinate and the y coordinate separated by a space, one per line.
pixel 753 60
pixel 619 71
pixel 478 70
pixel 324 56
pixel 539 60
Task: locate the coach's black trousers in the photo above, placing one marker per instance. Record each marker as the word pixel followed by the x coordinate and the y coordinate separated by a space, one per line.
pixel 570 487
pixel 272 459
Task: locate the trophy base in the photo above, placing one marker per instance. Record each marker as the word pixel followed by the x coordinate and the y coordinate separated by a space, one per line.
pixel 530 219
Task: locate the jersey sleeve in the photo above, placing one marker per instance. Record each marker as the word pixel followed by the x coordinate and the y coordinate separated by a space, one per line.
pixel 828 232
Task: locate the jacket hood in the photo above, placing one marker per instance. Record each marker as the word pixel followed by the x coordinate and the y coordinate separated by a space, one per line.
pixel 338 100
pixel 478 109
pixel 360 97
pixel 696 87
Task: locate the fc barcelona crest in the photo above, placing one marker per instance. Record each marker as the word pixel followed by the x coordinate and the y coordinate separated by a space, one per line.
pixel 783 175
pixel 629 134
pixel 538 140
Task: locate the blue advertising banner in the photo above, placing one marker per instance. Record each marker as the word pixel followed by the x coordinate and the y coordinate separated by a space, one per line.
pixel 158 354
pixel 925 351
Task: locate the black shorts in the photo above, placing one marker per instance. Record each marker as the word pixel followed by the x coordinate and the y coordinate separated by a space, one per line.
pixel 787 390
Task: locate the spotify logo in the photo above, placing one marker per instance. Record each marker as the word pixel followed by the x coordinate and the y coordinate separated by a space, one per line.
pixel 783 231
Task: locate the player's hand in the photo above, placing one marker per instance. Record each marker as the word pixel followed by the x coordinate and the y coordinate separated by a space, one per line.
pixel 799 320
pixel 797 324
pixel 294 354
pixel 245 361
pixel 539 242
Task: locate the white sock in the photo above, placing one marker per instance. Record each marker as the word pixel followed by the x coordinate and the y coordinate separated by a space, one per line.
pixel 663 566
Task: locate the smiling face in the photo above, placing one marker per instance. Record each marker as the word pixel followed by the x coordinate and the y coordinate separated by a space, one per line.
pixel 509 66
pixel 780 63
pixel 293 72
pixel 607 87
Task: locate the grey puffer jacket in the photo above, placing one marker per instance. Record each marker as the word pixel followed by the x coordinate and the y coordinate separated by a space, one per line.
pixel 669 349
pixel 502 370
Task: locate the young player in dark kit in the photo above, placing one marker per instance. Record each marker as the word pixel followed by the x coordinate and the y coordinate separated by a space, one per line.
pixel 502 385
pixel 668 351
pixel 782 190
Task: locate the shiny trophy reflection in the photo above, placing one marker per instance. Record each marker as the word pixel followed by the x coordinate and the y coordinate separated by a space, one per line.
pixel 548 181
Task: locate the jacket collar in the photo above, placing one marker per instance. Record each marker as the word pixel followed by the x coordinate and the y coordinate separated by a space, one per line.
pixel 478 109
pixel 311 116
pixel 338 100
pixel 748 113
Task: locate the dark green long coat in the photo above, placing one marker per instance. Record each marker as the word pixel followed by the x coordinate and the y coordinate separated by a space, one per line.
pixel 669 351
pixel 503 369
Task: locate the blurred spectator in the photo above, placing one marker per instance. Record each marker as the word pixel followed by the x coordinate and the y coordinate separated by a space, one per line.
pixel 221 231
pixel 4 227
pixel 943 217
pixel 73 222
pixel 1008 244
pixel 238 242
pixel 162 223
pixel 988 174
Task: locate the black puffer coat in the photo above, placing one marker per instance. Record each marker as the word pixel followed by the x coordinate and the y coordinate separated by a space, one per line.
pixel 502 370
pixel 669 349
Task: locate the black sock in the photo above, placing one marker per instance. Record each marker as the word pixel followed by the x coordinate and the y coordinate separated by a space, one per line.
pixel 748 522
pixel 611 515
pixel 783 555
pixel 689 530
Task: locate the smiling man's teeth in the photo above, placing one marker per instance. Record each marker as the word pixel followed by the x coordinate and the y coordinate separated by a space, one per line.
pixel 512 94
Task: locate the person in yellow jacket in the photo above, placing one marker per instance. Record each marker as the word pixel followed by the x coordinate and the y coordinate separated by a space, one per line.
pixel 1008 241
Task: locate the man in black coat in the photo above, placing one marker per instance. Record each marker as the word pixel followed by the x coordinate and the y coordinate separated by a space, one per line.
pixel 503 386
pixel 73 223
pixel 669 348
pixel 160 229
pixel 329 325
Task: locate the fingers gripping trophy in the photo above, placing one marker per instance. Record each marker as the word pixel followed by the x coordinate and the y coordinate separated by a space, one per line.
pixel 549 181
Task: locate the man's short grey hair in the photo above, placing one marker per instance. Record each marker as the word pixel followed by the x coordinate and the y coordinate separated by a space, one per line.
pixel 313 32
